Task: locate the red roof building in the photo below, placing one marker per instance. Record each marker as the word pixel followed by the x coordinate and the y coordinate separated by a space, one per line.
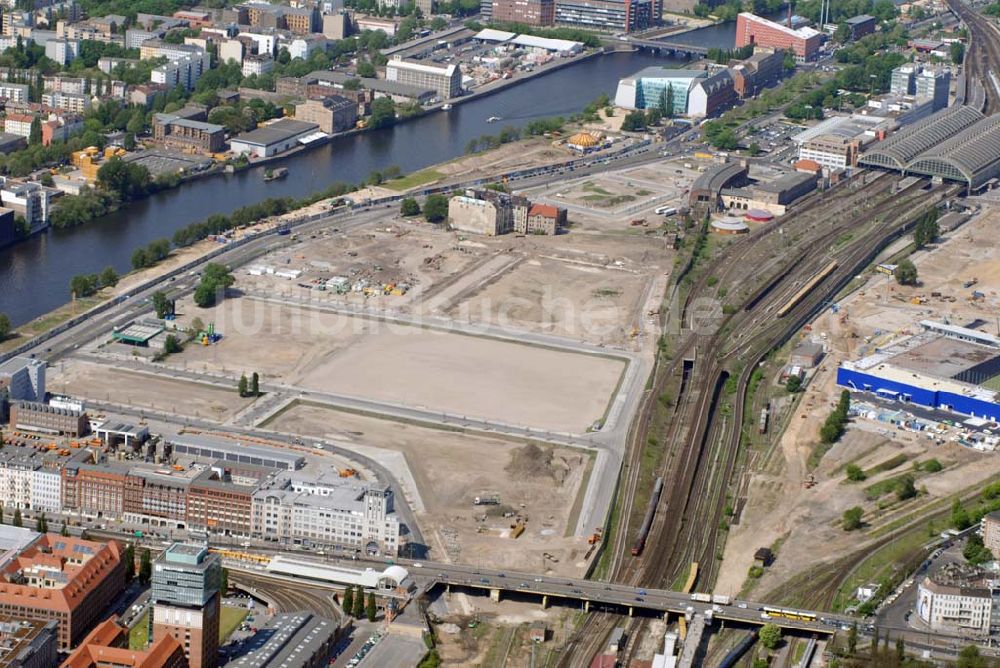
pixel 752 29
pixel 69 580
pixel 107 645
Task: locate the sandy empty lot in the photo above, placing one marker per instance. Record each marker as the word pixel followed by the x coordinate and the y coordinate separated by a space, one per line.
pixel 573 299
pixel 142 390
pixel 451 468
pixel 465 375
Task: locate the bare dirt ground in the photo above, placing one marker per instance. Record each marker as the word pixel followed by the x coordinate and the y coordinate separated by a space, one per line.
pixel 451 469
pixel 806 522
pixel 465 375
pixel 140 390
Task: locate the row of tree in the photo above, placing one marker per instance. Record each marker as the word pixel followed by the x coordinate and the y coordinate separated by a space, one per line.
pixel 836 422
pixel 84 285
pixel 153 253
pixel 354 603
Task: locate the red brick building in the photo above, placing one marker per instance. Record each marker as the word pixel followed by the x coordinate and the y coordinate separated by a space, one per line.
pixel 528 12
pixel 68 580
pixel 94 490
pixel 752 29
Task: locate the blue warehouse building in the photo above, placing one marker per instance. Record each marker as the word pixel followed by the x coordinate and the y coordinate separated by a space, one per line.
pixel 944 367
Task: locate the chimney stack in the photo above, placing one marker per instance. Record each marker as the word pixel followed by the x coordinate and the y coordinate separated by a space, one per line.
pixel 789 15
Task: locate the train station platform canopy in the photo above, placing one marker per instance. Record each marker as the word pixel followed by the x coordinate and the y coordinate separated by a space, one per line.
pixel 957 144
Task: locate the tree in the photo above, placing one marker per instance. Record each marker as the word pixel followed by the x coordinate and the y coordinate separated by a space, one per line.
pixel 224 581
pixel 634 121
pixel 855 473
pixel 145 566
pixel 161 304
pixel 108 277
pixel 383 113
pixel 18 521
pixel 46 180
pixel 932 466
pixel 842 34
pixel 669 101
pixel 435 208
pixel 770 636
pixel 42 525
pixel 789 62
pixel 83 285
pixel 129 562
pixel 905 488
pixel 852 639
pixel 970 657
pixel 959 516
pixel 906 272
pixel 957 52
pixel 754 149
pixel 5 327
pixel 172 344
pixel 793 384
pixel 409 207
pixel 242 387
pixel 348 602
pixel 35 133
pixel 975 552
pixel 365 70
pixel 926 229
pixel 359 603
pixel 370 609
pixel 255 384
pixel 852 518
pixel 128 180
pixel 1 514
pixel 214 280
pixel 900 649
pixel 438 23
pixel 140 259
pixel 62 532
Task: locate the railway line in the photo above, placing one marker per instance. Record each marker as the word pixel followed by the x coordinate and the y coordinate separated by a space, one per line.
pixel 704 431
pixel 982 59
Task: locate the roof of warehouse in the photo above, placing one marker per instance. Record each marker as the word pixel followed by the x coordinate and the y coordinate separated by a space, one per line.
pixel 546 43
pixel 491 35
pixel 284 129
pixel 716 178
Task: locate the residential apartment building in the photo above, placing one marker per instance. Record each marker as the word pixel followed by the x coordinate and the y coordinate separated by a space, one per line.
pixel 183 71
pixel 61 128
pixel 608 15
pixel 30 479
pixel 62 50
pixel 28 643
pixel 231 51
pixel 903 80
pixel 526 12
pixel 446 80
pixel 36 416
pixel 14 92
pixel 752 29
pixel 991 532
pixel 332 114
pixel 134 37
pixel 18 124
pixel 186 601
pixel 78 103
pixel 29 199
pixel 933 85
pixel 296 509
pixel 304 46
pixel 157 48
pixel 59 578
pixel 958 599
pixel 186 134
pixel 257 64
pixel 107 646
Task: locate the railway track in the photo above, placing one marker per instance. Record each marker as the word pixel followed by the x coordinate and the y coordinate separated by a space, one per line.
pixel 702 451
pixel 982 59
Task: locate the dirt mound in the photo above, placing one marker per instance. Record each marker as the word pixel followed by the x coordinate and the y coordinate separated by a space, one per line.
pixel 532 461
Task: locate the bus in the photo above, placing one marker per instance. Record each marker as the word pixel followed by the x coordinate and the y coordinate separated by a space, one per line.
pixel 666 211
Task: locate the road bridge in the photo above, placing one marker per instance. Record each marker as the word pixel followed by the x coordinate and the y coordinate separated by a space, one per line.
pixel 667 46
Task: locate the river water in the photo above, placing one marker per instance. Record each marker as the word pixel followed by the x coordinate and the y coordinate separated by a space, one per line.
pixel 35 274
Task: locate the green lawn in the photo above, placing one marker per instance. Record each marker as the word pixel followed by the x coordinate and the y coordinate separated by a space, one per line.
pixel 415 179
pixel 230 619
pixel 138 637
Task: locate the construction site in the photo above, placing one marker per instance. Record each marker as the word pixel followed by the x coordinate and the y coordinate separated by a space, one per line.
pixel 798 490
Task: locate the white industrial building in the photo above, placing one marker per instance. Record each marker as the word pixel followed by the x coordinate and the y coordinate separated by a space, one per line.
pixel 275 138
pixel 393 577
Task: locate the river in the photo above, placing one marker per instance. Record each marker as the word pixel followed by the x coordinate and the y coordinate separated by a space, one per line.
pixel 35 274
